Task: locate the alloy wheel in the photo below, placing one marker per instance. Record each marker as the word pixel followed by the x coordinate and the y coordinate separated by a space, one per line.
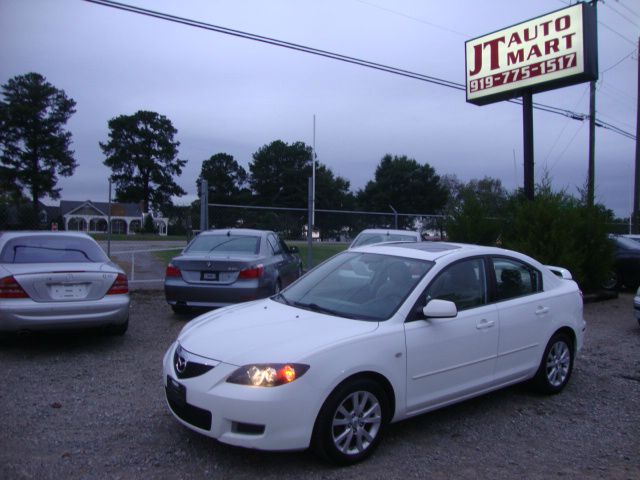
pixel 558 364
pixel 356 422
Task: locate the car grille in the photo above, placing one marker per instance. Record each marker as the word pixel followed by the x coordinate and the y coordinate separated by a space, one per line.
pixel 198 417
pixel 186 367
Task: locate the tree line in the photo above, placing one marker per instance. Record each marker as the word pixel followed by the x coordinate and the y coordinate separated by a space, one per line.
pixel 142 153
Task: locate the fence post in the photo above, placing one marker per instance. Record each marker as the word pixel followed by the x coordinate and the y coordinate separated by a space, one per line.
pixel 133 266
pixel 310 226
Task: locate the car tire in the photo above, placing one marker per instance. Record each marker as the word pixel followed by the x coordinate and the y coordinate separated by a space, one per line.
pixel 351 422
pixel 556 365
pixel 180 309
pixel 611 281
pixel 118 329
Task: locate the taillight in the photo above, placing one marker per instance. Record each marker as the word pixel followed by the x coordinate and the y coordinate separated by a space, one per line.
pixel 255 272
pixel 9 288
pixel 120 285
pixel 172 271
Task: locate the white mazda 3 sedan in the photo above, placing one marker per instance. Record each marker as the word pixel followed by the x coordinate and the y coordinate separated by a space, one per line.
pixel 55 280
pixel 373 335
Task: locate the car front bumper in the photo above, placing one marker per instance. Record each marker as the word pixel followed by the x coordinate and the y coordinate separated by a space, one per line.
pixel 264 418
pixel 25 314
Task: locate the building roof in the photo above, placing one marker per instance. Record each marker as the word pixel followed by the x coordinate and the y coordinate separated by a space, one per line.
pixel 102 208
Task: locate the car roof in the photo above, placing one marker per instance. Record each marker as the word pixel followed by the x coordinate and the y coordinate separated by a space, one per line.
pixel 388 231
pixel 436 250
pixel 236 231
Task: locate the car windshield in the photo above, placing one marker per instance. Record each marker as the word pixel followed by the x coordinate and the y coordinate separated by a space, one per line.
pixel 370 238
pixel 52 249
pixel 362 286
pixel 224 244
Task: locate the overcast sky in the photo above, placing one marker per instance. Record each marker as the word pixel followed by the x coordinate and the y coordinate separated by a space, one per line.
pixel 227 94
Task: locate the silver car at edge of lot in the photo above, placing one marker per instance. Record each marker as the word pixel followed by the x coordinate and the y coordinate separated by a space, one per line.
pixel 371 236
pixel 57 280
pixel 227 266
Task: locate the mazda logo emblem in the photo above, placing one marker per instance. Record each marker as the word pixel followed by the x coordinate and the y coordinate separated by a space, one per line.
pixel 181 364
pixel 181 360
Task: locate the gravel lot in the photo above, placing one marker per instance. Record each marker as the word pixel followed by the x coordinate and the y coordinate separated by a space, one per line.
pixel 84 405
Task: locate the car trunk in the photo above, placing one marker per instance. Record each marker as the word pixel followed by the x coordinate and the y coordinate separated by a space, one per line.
pixel 219 270
pixel 69 283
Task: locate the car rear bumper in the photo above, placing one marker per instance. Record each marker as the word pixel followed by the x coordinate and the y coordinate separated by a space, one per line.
pixel 25 314
pixel 178 292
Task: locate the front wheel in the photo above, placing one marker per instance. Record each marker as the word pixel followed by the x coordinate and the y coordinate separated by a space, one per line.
pixel 351 422
pixel 556 365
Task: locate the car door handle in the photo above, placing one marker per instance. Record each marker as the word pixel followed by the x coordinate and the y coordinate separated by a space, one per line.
pixel 542 310
pixel 484 323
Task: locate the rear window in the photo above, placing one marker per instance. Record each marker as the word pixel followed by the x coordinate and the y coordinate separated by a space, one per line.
pixel 371 238
pixel 224 244
pixel 52 249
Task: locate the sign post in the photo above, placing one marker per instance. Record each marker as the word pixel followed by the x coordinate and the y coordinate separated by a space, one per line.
pixel 552 51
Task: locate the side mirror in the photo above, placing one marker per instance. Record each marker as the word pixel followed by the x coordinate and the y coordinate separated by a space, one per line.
pixel 440 309
pixel 294 249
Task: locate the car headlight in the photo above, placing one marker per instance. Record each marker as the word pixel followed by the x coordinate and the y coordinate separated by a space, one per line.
pixel 268 374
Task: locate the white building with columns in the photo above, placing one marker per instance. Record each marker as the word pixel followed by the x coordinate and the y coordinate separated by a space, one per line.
pixel 93 217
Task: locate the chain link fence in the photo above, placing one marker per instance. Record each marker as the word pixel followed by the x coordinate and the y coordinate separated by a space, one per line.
pixel 291 223
pixel 329 225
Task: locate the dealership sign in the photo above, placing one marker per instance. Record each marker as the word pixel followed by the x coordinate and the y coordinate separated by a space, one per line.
pixel 551 51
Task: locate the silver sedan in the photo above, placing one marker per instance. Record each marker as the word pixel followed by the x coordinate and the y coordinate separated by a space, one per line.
pixel 59 280
pixel 223 267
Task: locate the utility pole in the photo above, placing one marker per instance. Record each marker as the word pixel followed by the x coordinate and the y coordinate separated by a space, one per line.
pixel 204 205
pixel 591 180
pixel 636 187
pixel 109 223
pixel 527 127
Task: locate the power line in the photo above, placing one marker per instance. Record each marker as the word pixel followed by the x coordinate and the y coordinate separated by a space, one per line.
pixel 627 9
pixel 395 12
pixel 278 43
pixel 618 62
pixel 615 32
pixel 622 15
pixel 332 56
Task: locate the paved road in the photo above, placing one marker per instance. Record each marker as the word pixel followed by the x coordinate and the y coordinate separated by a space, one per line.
pixel 143 268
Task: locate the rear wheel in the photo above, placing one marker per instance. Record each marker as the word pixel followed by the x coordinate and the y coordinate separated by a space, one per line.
pixel 351 422
pixel 611 282
pixel 556 365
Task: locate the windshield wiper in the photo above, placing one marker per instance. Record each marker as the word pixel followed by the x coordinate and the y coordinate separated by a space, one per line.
pixel 317 308
pixel 282 297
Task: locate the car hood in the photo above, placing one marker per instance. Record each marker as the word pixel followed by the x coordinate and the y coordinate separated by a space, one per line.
pixel 266 331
